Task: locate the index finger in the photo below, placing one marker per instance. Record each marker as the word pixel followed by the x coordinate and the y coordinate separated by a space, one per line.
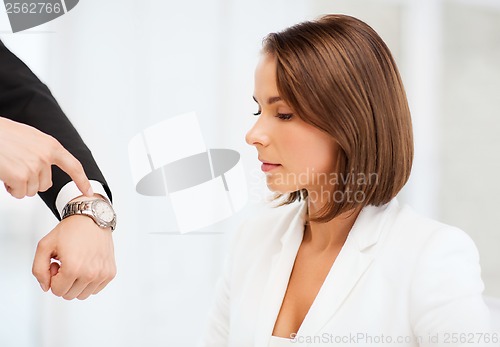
pixel 69 164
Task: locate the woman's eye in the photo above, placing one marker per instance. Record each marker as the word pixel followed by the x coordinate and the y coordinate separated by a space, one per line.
pixel 284 116
pixel 257 113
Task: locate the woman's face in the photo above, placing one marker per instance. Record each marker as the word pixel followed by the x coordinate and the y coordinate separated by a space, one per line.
pixel 295 155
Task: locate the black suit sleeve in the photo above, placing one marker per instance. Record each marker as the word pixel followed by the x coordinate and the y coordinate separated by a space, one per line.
pixel 25 99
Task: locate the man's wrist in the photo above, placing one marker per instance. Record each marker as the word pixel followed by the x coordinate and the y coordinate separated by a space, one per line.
pixel 70 191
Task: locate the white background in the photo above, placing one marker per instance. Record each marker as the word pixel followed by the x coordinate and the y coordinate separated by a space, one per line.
pixel 117 67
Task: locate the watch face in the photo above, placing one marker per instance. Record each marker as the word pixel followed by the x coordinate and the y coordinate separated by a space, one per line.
pixel 104 211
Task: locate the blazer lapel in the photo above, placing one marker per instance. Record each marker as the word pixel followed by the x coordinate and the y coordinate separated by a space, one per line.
pixel 351 263
pixel 279 274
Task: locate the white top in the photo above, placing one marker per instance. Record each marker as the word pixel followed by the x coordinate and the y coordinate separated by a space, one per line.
pixel 280 342
pixel 399 277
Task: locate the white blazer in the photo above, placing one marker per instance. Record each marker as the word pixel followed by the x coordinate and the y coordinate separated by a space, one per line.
pixel 399 280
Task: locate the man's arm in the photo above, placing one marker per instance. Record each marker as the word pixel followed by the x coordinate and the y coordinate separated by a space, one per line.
pixel 25 99
pixel 84 250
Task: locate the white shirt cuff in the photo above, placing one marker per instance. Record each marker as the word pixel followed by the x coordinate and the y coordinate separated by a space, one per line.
pixel 71 191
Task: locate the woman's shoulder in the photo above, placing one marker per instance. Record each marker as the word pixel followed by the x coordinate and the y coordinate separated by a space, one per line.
pixel 423 234
pixel 442 265
pixel 413 222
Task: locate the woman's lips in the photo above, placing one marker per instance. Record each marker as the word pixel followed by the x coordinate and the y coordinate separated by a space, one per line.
pixel 266 167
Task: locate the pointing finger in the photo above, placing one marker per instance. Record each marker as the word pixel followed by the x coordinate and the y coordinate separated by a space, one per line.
pixel 69 164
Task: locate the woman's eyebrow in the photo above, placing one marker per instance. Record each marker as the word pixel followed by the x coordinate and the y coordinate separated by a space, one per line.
pixel 271 100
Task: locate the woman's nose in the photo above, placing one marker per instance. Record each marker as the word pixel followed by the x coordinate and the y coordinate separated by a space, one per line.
pixel 258 135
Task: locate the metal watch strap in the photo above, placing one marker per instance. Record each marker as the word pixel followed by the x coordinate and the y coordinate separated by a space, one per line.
pixel 75 208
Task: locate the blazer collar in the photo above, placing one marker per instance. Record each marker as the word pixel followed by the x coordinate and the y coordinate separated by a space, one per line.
pixel 351 263
pixel 364 233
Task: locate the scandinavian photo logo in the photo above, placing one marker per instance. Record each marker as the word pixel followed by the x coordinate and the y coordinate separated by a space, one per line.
pixel 26 14
pixel 204 185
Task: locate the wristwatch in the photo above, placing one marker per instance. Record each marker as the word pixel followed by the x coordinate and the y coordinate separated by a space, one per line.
pixel 99 210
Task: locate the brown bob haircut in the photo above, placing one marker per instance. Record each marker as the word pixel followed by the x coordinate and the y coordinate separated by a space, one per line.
pixel 338 75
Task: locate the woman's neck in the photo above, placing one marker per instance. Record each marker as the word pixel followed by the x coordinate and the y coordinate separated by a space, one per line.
pixel 329 235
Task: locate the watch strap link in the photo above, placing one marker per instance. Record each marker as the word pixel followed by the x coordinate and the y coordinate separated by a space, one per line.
pixel 75 208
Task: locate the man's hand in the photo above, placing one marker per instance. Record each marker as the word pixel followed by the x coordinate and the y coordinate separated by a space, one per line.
pixel 26 157
pixel 86 254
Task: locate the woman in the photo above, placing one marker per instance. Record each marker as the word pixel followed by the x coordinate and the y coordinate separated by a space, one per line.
pixel 342 263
